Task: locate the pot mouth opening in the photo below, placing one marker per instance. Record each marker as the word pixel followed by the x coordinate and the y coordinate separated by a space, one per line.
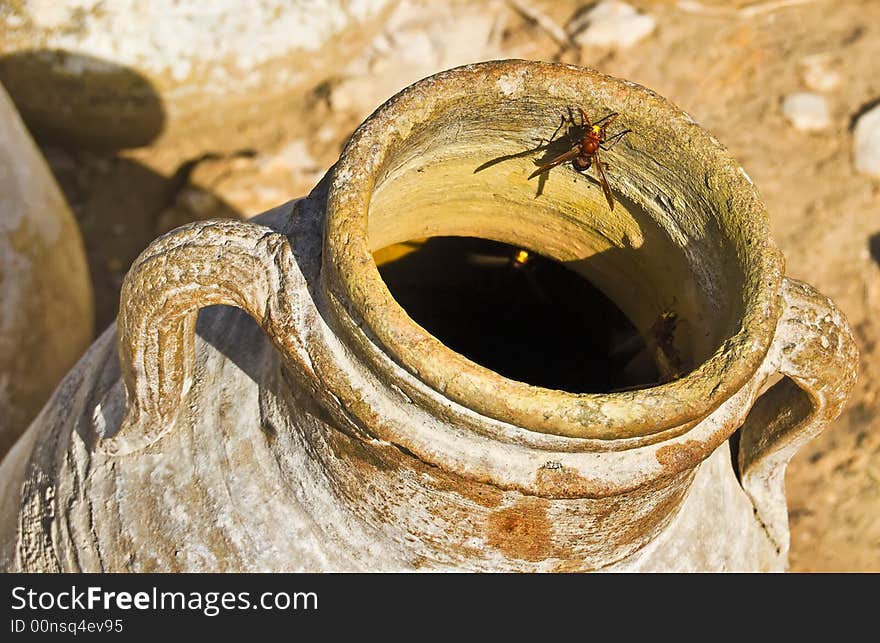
pixel 529 317
pixel 684 255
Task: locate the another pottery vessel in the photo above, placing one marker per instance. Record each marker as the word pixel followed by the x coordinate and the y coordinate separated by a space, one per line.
pixel 324 430
pixel 46 311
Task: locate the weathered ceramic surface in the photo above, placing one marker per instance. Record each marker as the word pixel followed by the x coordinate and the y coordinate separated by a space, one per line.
pixel 314 432
pixel 45 293
pixel 91 71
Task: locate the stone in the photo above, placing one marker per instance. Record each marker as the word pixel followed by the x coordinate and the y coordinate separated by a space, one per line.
pixel 819 74
pixel 806 111
pixel 416 44
pixel 611 24
pixel 294 156
pixel 866 144
pixel 90 73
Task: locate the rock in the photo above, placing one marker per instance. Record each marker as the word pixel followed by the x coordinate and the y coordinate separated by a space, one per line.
pixel 867 142
pixel 806 111
pixel 294 156
pixel 819 74
pixel 611 24
pixel 417 43
pixel 123 73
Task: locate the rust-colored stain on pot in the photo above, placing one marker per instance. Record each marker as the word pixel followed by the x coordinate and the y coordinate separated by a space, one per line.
pixel 562 482
pixel 466 494
pixel 521 531
pixel 675 456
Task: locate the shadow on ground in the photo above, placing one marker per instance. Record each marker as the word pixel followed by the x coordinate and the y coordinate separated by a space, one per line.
pixel 84 113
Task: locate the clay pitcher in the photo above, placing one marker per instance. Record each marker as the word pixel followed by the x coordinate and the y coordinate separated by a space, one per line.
pixel 46 309
pixel 323 429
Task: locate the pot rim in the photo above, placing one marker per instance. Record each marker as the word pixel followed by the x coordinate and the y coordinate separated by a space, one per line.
pixel 353 280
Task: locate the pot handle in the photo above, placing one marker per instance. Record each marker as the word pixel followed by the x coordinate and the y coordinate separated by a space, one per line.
pixel 202 264
pixel 816 352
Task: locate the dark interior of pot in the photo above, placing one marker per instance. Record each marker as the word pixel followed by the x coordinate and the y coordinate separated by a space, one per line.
pixel 522 315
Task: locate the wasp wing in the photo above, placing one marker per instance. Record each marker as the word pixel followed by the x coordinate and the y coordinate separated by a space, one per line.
pixel 603 181
pixel 562 158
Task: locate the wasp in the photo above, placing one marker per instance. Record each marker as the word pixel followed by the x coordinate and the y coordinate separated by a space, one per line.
pixel 668 358
pixel 659 341
pixel 585 152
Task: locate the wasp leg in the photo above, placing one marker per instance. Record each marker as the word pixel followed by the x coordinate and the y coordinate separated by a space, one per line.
pixel 616 139
pixel 610 118
pixel 553 136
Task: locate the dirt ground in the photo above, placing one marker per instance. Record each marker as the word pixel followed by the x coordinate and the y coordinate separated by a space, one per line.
pixel 728 64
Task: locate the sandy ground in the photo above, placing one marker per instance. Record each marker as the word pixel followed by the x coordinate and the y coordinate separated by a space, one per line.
pixel 729 64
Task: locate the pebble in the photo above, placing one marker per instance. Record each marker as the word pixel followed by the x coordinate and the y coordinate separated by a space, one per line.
pixel 294 156
pixel 613 24
pixel 806 111
pixel 327 134
pixel 866 135
pixel 819 74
